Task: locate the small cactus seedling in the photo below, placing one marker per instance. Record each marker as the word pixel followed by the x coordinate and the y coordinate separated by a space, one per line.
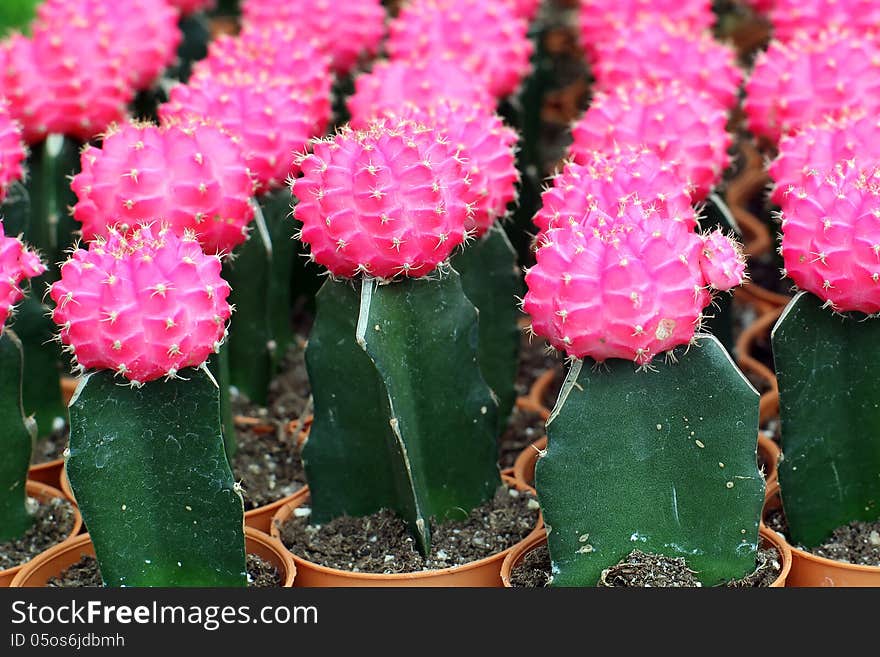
pixel 146 460
pixel 809 79
pixel 16 432
pixel 403 417
pixel 486 39
pixel 673 121
pixel 825 352
pixel 655 457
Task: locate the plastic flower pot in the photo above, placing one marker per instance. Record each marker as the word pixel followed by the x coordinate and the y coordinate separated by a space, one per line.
pixel 482 573
pixel 537 397
pixel 539 538
pixel 56 560
pixel 43 493
pixel 809 570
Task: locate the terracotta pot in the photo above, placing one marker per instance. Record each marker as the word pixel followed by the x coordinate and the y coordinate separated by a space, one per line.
pixel 770 453
pixel 537 397
pixel 769 405
pixel 808 570
pixel 43 493
pixel 261 517
pixel 483 573
pixel 49 473
pixel 524 466
pixel 539 538
pixel 59 558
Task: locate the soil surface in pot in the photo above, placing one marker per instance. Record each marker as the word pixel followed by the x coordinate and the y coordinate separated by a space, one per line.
pixel 857 543
pixel 50 447
pixel 524 428
pixel 380 543
pixel 289 391
pixel 268 466
pixel 641 570
pixel 53 522
pixel 85 573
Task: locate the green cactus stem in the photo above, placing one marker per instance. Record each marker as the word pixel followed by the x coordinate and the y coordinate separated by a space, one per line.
pixel 17 15
pixel 661 461
pixel 150 475
pixel 492 281
pixel 219 367
pixel 16 441
pixel 194 46
pixel 260 277
pixel 403 417
pixel 828 402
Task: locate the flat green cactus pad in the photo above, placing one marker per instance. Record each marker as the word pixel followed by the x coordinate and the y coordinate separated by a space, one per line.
pixel 661 461
pixel 829 403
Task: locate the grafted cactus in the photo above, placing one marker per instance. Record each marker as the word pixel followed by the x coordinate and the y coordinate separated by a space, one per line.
pixel 146 461
pixel 403 417
pixel 824 351
pixel 658 457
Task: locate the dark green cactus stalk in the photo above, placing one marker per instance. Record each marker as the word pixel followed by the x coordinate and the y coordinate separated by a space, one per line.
pixel 41 389
pixel 151 478
pixel 403 417
pixel 17 15
pixel 260 276
pixel 492 281
pixel 828 401
pixel 194 46
pixel 16 441
pixel 662 462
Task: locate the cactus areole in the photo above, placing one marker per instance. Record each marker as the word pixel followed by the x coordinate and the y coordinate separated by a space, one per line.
pixel 387 206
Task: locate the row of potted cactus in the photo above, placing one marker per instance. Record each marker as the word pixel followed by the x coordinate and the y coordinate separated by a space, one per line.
pixel 413 353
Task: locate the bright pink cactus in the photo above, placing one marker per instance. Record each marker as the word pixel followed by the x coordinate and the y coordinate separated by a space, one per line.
pixel 270 116
pixel 345 31
pixel 809 79
pixel 59 87
pixel 527 9
pixel 484 38
pixel 487 149
pixel 676 123
pixel 145 307
pixel 141 35
pixel 12 150
pixel 821 147
pixel 627 287
pixel 188 7
pixel 660 51
pixel 192 177
pixel 278 50
pixel 391 85
pixel 628 178
pixel 389 201
pixel 761 6
pixel 831 236
pixel 810 17
pixel 16 265
pixel 601 20
pixel 722 261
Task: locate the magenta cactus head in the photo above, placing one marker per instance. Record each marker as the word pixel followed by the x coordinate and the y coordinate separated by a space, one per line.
pixel 386 202
pixel 820 147
pixel 660 51
pixel 628 178
pixel 344 31
pixel 392 85
pixel 601 20
pixel 187 7
pixel 17 264
pixel 626 287
pixel 12 150
pixel 722 261
pixel 486 147
pixel 141 35
pixel 145 307
pixel 64 87
pixel 791 18
pixel 271 116
pixel 673 121
pixel 485 38
pixel 192 176
pixel 526 9
pixel 831 235
pixel 810 79
pixel 280 51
